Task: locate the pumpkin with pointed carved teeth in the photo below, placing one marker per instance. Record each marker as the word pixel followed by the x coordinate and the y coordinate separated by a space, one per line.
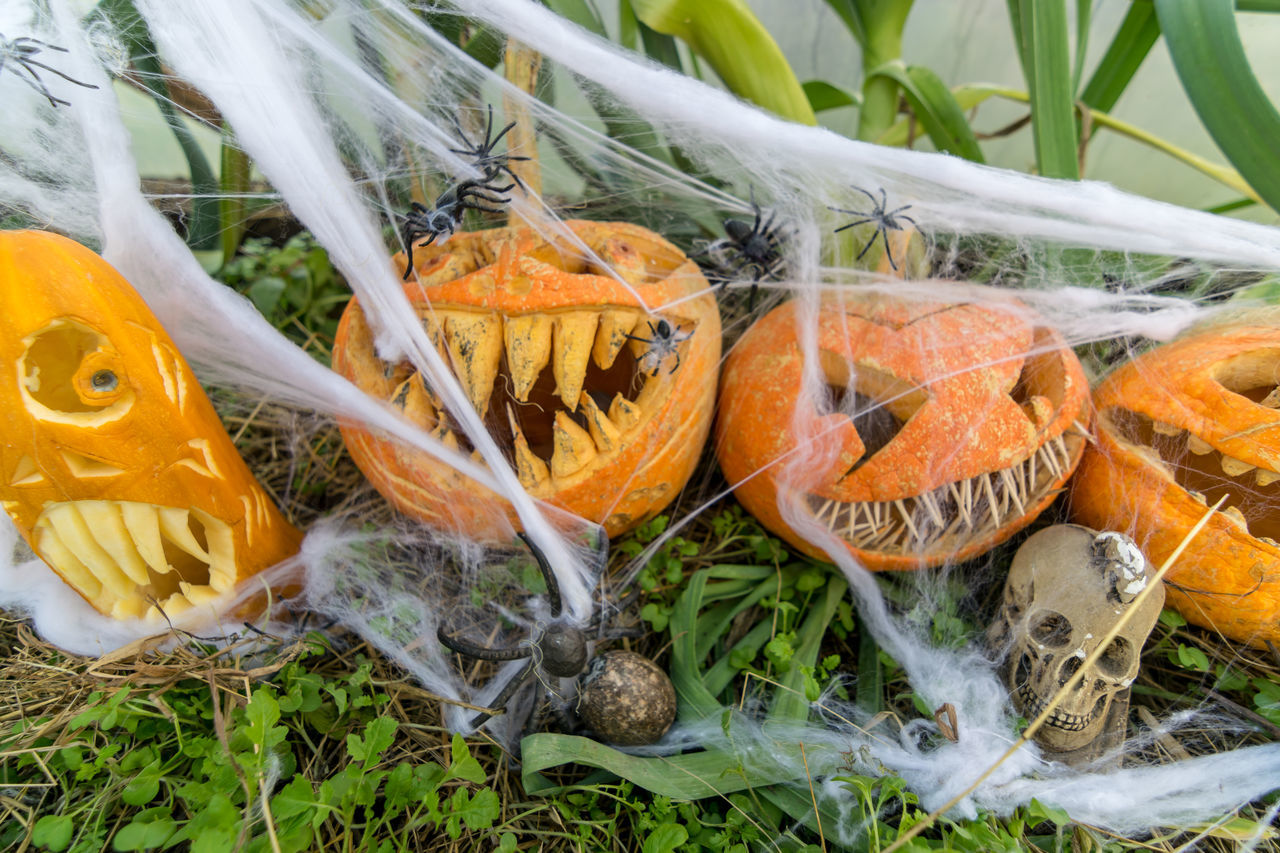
pixel 600 393
pixel 116 468
pixel 952 426
pixel 1179 427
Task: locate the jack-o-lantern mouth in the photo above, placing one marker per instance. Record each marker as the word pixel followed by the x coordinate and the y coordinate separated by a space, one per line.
pixel 954 514
pixel 1202 471
pixel 564 391
pixel 135 560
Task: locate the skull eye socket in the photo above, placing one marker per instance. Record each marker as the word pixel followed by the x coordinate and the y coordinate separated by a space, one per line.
pixel 1117 659
pixel 1050 629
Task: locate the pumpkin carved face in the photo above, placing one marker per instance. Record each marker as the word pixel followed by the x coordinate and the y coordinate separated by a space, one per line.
pixel 604 406
pixel 116 468
pixel 959 430
pixel 1178 428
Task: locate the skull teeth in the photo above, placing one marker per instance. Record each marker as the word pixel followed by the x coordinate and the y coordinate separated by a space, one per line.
pixel 957 512
pixel 133 560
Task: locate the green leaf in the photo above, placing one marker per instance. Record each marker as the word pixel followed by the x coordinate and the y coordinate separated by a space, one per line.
pixel 379 734
pixel 731 38
pixel 665 838
pixel 464 766
pixel 1191 657
pixel 1130 46
pixel 1205 46
pixel 1038 812
pixel 142 788
pixel 295 798
pixel 1041 33
pixel 53 832
pixel 148 830
pixel 937 110
pixel 479 811
pixel 1084 12
pixel 581 12
pixel 826 96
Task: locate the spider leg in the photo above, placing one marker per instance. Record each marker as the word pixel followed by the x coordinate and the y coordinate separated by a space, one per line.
pixel 867 194
pixel 888 253
pixel 852 224
pixel 503 697
pixel 896 211
pixel 909 219
pixel 36 83
pixel 553 587
pixel 470 206
pixel 870 243
pixel 53 70
pixel 675 366
pixel 464 647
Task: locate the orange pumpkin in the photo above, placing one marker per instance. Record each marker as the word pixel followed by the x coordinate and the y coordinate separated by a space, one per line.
pixel 1179 427
pixel 964 424
pixel 564 362
pixel 116 468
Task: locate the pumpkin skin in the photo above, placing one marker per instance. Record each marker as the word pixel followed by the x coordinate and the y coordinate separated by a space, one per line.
pixel 1178 427
pixel 984 408
pixel 595 423
pixel 116 469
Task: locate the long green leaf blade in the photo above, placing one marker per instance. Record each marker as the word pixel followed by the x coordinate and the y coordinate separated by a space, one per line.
pixel 728 35
pixel 1209 57
pixel 937 110
pixel 1133 41
pixel 1047 64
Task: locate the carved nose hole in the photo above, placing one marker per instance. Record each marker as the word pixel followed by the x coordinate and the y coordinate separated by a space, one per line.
pixel 1069 668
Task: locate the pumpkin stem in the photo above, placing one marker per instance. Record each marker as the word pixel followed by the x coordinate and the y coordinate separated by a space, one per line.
pixel 521 66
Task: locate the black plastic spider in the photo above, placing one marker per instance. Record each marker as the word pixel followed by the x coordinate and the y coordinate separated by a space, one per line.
pixel 444 218
pixel 749 251
pixel 22 51
pixel 884 220
pixel 665 342
pixel 482 156
pixel 560 648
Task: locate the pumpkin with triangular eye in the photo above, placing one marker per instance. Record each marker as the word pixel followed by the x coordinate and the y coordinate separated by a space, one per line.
pixel 1179 427
pixel 591 357
pixel 115 466
pixel 942 429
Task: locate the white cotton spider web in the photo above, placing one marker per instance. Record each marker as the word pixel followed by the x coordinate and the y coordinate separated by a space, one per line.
pixel 339 139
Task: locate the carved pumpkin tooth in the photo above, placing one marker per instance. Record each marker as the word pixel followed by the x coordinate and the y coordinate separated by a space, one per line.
pixel 624 413
pixel 1234 513
pixel 1233 467
pixel 475 347
pixel 446 436
pixel 612 335
pixel 51 547
pixel 1198 497
pixel 197 594
pixel 1198 445
pixel 574 333
pixel 528 340
pixel 1162 428
pixel 129 608
pixel 143 523
pixel 573 447
pixel 107 524
pixel 531 470
pixel 1263 477
pixel 175 524
pixel 71 528
pixel 1272 400
pixel 412 398
pixel 176 605
pixel 604 432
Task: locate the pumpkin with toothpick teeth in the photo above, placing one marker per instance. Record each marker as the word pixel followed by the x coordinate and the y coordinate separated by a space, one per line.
pixel 115 467
pixel 591 361
pixel 945 428
pixel 1178 428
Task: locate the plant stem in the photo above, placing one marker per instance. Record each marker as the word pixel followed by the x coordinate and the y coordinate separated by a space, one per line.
pixel 882 22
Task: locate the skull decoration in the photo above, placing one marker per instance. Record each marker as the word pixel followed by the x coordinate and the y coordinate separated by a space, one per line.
pixel 952 427
pixel 603 405
pixel 1067 587
pixel 116 468
pixel 1178 428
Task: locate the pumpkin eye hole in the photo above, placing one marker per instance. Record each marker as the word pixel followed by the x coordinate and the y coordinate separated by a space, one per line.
pixel 1050 629
pixel 104 381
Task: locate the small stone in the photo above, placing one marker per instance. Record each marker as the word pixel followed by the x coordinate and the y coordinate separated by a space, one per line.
pixel 626 699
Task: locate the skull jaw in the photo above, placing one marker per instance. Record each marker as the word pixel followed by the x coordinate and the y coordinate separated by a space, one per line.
pixel 1075 722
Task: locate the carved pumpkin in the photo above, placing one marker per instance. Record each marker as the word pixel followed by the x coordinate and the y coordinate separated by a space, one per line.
pixel 116 468
pixel 961 428
pixel 564 363
pixel 1179 427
